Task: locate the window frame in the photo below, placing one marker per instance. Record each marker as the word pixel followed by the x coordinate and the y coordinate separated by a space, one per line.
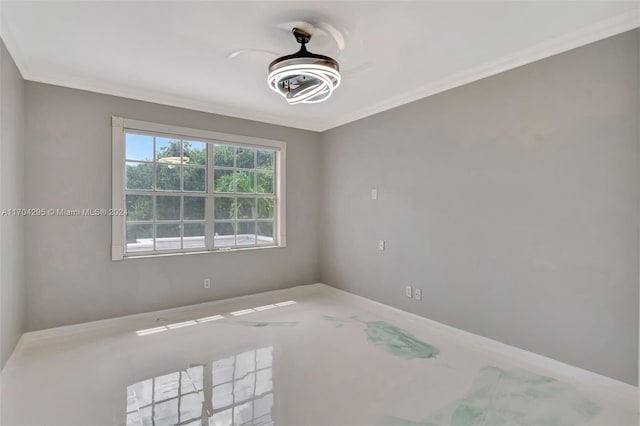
pixel 121 125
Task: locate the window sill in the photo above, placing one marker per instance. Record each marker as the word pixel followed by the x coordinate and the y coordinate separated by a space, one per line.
pixel 189 253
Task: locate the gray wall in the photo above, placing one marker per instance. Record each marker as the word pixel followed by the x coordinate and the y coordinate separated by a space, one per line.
pixel 70 276
pixel 12 289
pixel 512 202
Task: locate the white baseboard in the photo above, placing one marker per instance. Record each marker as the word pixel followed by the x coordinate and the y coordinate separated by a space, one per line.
pixel 175 314
pixel 624 389
pixel 16 350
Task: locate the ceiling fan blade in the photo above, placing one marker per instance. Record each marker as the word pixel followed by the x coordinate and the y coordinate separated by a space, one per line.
pixel 303 25
pixel 334 33
pixel 362 68
pixel 317 27
pixel 238 52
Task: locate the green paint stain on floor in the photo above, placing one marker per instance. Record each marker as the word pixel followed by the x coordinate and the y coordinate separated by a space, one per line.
pixel 339 321
pixel 508 398
pixel 351 318
pixel 332 318
pixel 396 421
pixel 397 341
pixel 394 340
pixel 261 323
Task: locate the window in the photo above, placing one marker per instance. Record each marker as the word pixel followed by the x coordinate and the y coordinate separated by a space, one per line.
pixel 187 190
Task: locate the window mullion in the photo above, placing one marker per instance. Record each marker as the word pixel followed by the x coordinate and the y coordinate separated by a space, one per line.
pixel 210 200
pixel 181 166
pixel 181 222
pixel 154 226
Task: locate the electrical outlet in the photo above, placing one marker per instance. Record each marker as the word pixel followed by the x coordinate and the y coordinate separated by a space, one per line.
pixel 374 194
pixel 207 283
pixel 417 294
pixel 408 291
pixel 381 245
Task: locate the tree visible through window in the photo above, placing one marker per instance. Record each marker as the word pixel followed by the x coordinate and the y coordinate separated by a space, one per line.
pixel 165 182
pixel 245 215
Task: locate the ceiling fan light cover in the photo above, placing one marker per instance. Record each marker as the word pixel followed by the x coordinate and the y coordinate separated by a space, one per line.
pixel 284 80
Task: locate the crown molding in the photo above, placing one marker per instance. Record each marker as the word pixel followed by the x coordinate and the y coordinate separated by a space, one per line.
pixel 6 34
pixel 177 101
pixel 600 30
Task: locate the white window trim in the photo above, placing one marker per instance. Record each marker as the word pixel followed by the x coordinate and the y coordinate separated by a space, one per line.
pixel 118 223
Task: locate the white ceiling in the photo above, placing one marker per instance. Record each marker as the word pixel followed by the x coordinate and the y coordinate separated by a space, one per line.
pixel 396 52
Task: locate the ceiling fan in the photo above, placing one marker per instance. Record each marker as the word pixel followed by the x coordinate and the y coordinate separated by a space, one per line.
pixel 321 28
pixel 303 77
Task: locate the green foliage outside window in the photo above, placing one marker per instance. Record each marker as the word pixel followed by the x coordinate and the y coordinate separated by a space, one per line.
pixel 181 166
